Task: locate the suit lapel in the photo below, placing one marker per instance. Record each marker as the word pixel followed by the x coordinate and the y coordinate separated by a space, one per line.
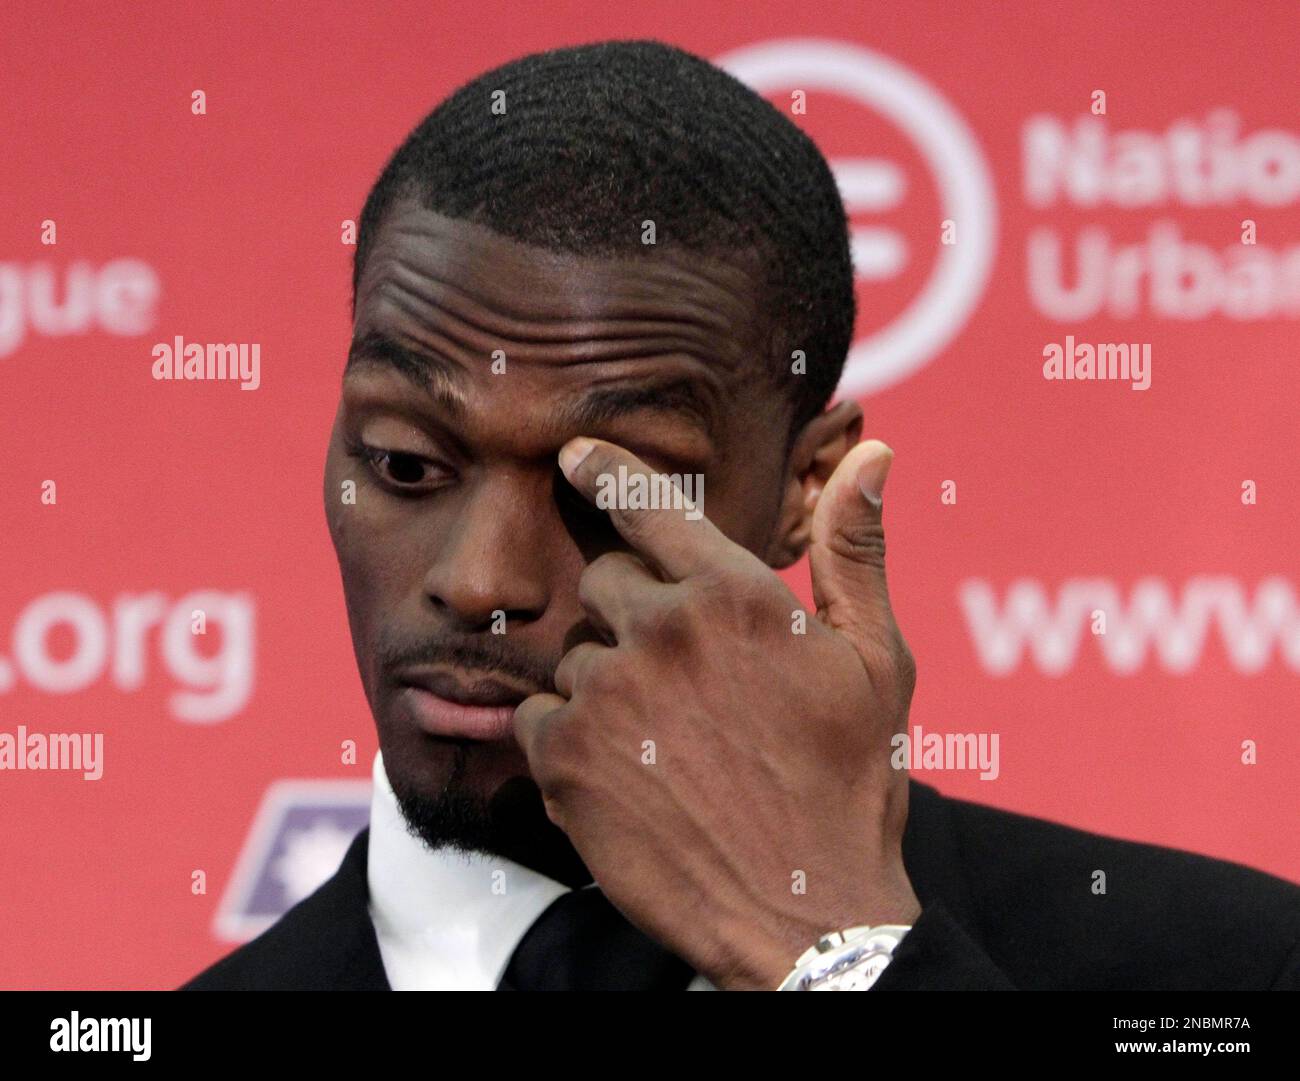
pixel 344 916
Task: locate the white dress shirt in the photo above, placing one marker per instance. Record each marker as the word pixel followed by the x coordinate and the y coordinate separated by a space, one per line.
pixel 446 920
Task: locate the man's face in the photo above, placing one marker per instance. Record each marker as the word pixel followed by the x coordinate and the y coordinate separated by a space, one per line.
pixel 463 527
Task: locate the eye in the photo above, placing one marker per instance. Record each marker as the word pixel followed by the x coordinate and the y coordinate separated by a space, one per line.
pixel 399 471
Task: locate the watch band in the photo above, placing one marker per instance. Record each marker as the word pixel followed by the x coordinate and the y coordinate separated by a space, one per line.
pixel 849 960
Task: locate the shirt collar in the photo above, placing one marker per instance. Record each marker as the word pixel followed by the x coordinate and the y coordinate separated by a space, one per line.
pixel 444 919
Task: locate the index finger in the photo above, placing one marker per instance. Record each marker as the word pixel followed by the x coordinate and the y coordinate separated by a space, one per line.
pixel 661 515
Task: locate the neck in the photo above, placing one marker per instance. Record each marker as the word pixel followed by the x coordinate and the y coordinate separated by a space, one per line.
pixel 525 835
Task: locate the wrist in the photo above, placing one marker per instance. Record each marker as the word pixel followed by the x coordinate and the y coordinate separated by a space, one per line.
pixel 851 960
pixel 761 962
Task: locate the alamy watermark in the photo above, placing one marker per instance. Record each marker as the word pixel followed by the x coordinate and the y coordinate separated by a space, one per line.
pixel 83 751
pixel 921 750
pixel 113 1034
pixel 215 360
pixel 651 491
pixel 1105 361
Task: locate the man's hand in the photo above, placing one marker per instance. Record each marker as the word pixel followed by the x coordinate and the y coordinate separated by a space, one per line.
pixel 725 778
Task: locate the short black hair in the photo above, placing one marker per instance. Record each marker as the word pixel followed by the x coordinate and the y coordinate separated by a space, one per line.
pixel 596 138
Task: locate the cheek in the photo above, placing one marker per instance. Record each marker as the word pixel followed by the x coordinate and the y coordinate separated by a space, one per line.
pixel 340 492
pixel 379 573
pixel 364 545
pixel 344 514
pixel 744 505
pixel 366 527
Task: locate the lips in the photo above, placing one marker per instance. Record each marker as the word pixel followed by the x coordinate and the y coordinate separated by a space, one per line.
pixel 447 705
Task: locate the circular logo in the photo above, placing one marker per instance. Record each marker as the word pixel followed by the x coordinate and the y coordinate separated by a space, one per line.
pixel 959 172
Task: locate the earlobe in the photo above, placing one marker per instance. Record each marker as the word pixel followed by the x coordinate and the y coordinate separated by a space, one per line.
pixel 816 452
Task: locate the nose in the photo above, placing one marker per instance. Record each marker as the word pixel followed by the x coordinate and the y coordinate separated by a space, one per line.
pixel 493 556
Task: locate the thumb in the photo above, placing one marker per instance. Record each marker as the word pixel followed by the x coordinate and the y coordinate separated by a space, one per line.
pixel 847 548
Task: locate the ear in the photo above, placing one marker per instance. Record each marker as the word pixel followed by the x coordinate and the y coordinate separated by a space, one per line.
pixel 818 449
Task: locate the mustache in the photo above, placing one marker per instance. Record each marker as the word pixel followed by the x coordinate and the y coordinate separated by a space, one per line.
pixel 484 654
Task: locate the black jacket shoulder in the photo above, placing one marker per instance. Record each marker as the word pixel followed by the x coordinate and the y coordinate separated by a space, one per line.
pixel 1032 904
pixel 325 942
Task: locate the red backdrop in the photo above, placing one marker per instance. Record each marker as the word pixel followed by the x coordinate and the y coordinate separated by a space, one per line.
pixel 1071 497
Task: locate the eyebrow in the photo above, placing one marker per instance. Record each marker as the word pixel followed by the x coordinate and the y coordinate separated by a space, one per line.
pixel 678 396
pixel 430 373
pixel 438 377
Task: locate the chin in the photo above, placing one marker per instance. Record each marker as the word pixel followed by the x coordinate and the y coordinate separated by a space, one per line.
pixel 477 797
pixel 430 766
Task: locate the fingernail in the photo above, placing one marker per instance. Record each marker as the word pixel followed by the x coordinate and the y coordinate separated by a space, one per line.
pixel 873 471
pixel 573 453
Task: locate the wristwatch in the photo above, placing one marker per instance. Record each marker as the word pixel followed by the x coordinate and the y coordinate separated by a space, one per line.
pixel 850 960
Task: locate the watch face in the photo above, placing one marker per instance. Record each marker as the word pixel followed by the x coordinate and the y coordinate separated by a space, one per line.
pixel 858 978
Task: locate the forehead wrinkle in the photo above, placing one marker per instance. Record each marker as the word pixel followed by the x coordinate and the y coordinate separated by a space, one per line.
pixel 575 342
pixel 600 316
pixel 694 396
pixel 545 308
pixel 454 249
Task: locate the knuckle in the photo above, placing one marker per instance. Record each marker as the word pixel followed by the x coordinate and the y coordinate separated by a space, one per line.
pixel 571 665
pixel 589 587
pixel 862 542
pixel 610 563
pixel 541 759
pixel 694 611
pixel 599 463
pixel 603 676
pixel 552 763
pixel 630 523
pixel 554 809
pixel 656 622
pixel 602 573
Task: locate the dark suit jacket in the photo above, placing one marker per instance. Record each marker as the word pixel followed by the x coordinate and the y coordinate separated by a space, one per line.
pixel 1007 900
